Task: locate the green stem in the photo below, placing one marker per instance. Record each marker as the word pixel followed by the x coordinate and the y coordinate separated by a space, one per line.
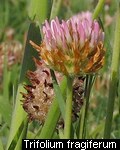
pixel 55 8
pixel 98 8
pixel 113 78
pixel 68 110
pixel 87 104
pixel 7 12
pixel 82 116
pixel 83 123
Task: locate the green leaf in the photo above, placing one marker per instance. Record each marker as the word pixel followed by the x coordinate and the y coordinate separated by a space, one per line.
pixel 30 135
pixel 17 140
pixel 1 145
pixel 97 131
pixel 53 115
pixel 23 134
pixel 114 77
pixel 38 10
pixel 58 94
pixel 4 100
pixel 6 113
pixel 50 124
pixel 19 114
pixel 28 63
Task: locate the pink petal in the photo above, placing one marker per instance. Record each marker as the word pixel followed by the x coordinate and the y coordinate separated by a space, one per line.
pixel 66 31
pixel 82 35
pixel 47 25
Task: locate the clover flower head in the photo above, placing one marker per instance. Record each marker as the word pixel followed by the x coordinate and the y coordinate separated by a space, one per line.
pixel 73 47
pixel 40 93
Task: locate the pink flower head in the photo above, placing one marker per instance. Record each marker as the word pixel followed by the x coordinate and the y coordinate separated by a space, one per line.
pixel 74 46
